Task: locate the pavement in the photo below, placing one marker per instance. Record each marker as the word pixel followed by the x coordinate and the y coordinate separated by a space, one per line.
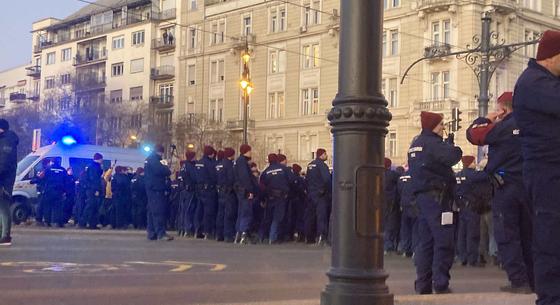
pixel 70 267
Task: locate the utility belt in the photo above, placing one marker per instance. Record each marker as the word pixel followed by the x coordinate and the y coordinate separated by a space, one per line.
pixel 224 189
pixel 205 187
pixel 276 194
pixel 441 196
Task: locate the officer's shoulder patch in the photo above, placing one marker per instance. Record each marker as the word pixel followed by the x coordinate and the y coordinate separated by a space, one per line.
pixel 415 149
pixel 6 148
pixel 516 132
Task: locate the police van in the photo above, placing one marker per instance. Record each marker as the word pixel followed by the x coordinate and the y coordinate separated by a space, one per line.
pixel 76 156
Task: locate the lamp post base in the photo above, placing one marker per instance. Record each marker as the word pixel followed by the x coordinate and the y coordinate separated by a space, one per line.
pixel 356 287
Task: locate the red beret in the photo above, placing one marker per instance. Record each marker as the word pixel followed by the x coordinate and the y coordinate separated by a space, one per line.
pixel 282 158
pixel 388 163
pixel 296 168
pixel 244 149
pixel 190 155
pixel 467 161
pixel 505 97
pixel 272 158
pixel 229 152
pixel 320 152
pixel 549 45
pixel 220 154
pixel 209 150
pixel 430 120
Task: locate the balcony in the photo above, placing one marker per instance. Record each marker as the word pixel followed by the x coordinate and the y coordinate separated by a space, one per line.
pixel 438 49
pixel 436 105
pixel 84 83
pixel 237 125
pixel 163 72
pixel 42 45
pixel 34 71
pixel 163 45
pixel 503 6
pixel 18 97
pixel 430 6
pixel 162 101
pixel 96 57
pixel 34 96
pixel 166 15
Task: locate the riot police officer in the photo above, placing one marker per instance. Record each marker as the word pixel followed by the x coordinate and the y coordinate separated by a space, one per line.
pixel 431 160
pixel 121 188
pixel 319 205
pixel 139 199
pixel 470 205
pixel 298 204
pixel 157 187
pixel 510 205
pixel 189 204
pixel 391 211
pixel 227 203
pixel 206 191
pixel 94 192
pixel 246 190
pixel 55 182
pixel 409 215
pixel 8 161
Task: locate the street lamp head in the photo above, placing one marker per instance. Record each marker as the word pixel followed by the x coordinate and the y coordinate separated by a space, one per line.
pixel 133 137
pixel 246 57
pixel 190 146
pixel 244 84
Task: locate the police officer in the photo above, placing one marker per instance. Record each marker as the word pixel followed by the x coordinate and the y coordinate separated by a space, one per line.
pixel 156 177
pixel 430 160
pixel 319 205
pixel 139 199
pixel 409 215
pixel 537 111
pixel 246 190
pixel 206 191
pixel 469 182
pixel 391 211
pixel 40 182
pixel 55 182
pixel 8 162
pixel 298 202
pixel 189 204
pixel 70 190
pixel 288 223
pixel 94 192
pixel 80 205
pixel 227 202
pixel 121 188
pixel 510 205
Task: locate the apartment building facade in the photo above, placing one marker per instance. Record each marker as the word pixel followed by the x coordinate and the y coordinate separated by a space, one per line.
pixel 120 54
pixel 14 88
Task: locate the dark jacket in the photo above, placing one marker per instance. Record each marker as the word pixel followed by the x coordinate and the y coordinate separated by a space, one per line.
pixel 504 144
pixel 470 184
pixel 244 179
pixel 121 187
pixel 187 176
pixel 536 106
pixel 93 179
pixel 55 180
pixel 206 172
pixel 390 186
pixel 404 189
pixel 138 189
pixel 430 161
pixel 8 160
pixel 156 174
pixel 275 180
pixel 225 174
pixel 318 178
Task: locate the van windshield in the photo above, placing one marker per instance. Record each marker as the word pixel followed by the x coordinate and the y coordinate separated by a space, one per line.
pixel 25 163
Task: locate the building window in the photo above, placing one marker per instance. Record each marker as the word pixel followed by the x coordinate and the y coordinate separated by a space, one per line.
pixel 446 32
pixel 440 85
pixel 65 79
pixel 247 24
pixel 441 32
pixel 276 105
pixel 311 13
pixel 392 144
pixel 308 144
pixel 393 93
pixel 66 54
pixel 388 4
pixel 192 38
pixel 277 17
pixel 191 75
pixel 51 57
pixel 65 103
pixel 166 92
pixel 136 93
pixel 445 80
pixel 384 44
pixel 394 42
pixel 137 65
pixel 310 101
pixel 117 69
pixel 136 121
pixel 49 82
pixel 115 122
pixel 138 38
pixel 531 50
pixel 118 42
pixel 435 86
pixel 193 5
pixel 49 105
pixel 217 71
pixel 216 110
pixel 115 96
pixel 277 61
pixel 282 19
pixel 311 56
pixel 436 35
pixel 532 4
pixel 218 32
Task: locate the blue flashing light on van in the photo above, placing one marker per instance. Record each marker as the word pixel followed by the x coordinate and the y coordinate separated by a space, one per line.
pixel 68 140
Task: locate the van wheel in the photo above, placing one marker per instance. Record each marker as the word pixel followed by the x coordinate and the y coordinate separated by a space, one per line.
pixel 20 212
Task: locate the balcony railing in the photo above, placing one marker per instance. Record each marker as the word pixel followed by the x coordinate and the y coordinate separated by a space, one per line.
pixel 437 49
pixel 89 83
pixel 237 125
pixel 18 97
pixel 162 101
pixel 95 56
pixel 161 44
pixel 163 72
pixel 167 14
pixel 33 71
pixel 33 95
pixel 436 105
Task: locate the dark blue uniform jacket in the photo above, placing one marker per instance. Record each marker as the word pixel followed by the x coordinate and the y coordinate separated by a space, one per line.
pixel 156 174
pixel 318 178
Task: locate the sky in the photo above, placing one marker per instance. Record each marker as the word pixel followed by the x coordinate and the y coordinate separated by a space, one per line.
pixel 15 26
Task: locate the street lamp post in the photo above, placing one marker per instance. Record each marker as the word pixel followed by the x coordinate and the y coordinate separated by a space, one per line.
pixel 247 88
pixel 359 120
